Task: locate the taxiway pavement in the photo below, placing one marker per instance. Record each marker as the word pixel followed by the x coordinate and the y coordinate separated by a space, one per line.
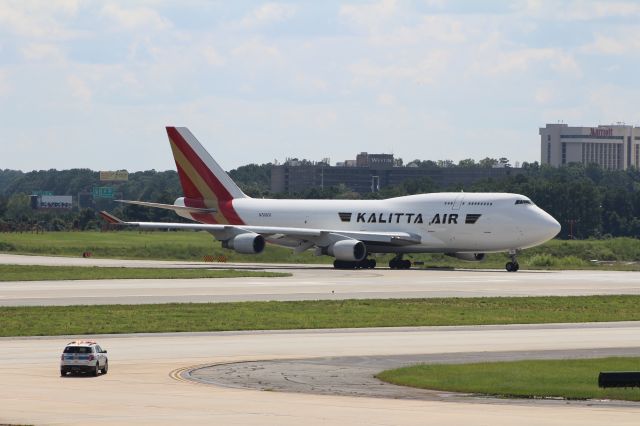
pixel 140 387
pixel 308 282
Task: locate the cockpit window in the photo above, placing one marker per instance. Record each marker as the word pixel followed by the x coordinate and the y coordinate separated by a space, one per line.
pixel 523 202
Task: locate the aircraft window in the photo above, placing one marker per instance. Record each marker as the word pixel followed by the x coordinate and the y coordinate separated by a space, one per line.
pixel 523 202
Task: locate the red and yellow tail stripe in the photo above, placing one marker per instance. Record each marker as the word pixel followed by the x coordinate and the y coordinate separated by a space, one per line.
pixel 202 187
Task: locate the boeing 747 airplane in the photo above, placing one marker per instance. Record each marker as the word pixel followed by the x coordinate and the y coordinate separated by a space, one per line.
pixel 460 224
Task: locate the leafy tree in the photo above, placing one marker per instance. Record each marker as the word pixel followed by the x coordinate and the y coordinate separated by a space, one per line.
pixel 467 162
pixel 488 162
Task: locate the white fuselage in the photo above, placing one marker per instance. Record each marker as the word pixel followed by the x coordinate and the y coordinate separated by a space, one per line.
pixel 445 222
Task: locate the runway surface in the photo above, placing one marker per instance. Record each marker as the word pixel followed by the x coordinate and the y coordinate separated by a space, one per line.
pixel 309 282
pixel 148 376
pixel 140 388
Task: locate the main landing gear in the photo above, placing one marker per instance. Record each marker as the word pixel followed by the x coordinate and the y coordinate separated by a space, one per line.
pixel 346 264
pixel 398 263
pixel 512 266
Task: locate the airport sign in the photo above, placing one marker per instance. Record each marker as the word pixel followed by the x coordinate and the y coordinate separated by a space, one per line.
pixel 102 192
pixel 110 176
pixel 64 202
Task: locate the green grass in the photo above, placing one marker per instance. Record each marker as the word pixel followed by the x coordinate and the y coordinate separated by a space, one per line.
pixel 39 273
pixel 58 320
pixel 555 254
pixel 140 245
pixel 572 379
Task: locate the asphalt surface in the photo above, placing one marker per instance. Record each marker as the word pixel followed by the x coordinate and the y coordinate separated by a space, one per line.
pixel 300 377
pixel 355 375
pixel 308 282
pixel 145 384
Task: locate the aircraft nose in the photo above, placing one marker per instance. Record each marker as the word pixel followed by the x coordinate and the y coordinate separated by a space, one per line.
pixel 546 227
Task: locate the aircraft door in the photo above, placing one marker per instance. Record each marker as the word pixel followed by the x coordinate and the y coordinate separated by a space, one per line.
pixel 458 202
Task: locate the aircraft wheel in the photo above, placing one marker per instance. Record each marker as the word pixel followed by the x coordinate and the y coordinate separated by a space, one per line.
pixel 372 263
pixel 406 264
pixel 512 266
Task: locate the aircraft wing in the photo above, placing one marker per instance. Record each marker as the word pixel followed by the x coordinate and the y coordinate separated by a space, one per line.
pixel 169 207
pixel 304 237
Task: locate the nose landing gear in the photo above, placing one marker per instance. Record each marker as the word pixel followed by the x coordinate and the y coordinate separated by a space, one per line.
pixel 513 265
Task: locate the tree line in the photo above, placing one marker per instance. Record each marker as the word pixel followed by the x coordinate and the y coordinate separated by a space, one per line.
pixel 588 201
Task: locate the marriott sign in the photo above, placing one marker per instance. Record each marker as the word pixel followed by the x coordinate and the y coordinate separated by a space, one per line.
pixel 601 132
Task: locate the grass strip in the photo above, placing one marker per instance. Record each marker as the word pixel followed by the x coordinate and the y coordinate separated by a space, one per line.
pixel 571 379
pixel 100 319
pixel 40 273
pixel 622 253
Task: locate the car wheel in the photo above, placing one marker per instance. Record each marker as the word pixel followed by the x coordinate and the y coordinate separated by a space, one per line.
pixel 105 368
pixel 96 370
pixel 63 372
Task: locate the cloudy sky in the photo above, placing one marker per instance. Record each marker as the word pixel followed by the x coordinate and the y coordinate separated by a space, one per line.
pixel 93 83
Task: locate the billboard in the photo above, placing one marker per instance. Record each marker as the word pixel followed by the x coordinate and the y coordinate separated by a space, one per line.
pixel 64 202
pixel 119 175
pixel 102 192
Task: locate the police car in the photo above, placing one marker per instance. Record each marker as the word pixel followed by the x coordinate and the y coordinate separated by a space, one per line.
pixel 83 356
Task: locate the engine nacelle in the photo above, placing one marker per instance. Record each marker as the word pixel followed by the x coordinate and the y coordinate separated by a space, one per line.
pixel 350 250
pixel 469 257
pixel 247 243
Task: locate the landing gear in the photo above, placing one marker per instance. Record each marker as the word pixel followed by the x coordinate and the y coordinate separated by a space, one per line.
pixel 399 263
pixel 512 266
pixel 346 264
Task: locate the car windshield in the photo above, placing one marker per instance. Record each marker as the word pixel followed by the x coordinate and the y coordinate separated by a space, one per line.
pixel 77 350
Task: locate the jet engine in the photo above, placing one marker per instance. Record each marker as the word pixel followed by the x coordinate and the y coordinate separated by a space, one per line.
pixel 247 243
pixel 469 257
pixel 350 250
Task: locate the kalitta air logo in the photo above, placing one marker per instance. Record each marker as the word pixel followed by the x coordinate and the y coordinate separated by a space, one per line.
pixel 438 218
pixel 345 217
pixel 444 219
pixel 364 217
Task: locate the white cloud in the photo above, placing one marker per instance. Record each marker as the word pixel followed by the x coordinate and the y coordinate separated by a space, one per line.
pixel 386 99
pixel 43 52
pixel 620 42
pixel 4 83
pixel 544 95
pixel 39 19
pixel 579 10
pixel 256 50
pixel 79 89
pixel 369 16
pixel 310 83
pixel 268 13
pixel 138 19
pixel 212 57
pixel 424 70
pixel 495 56
pixel 430 30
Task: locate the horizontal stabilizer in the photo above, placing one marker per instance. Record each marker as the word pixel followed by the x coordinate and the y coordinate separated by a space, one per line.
pixel 173 207
pixel 111 218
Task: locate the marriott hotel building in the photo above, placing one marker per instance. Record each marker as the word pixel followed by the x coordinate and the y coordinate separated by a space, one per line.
pixel 614 147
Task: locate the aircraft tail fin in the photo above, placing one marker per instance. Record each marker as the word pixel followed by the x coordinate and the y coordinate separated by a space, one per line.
pixel 204 183
pixel 200 176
